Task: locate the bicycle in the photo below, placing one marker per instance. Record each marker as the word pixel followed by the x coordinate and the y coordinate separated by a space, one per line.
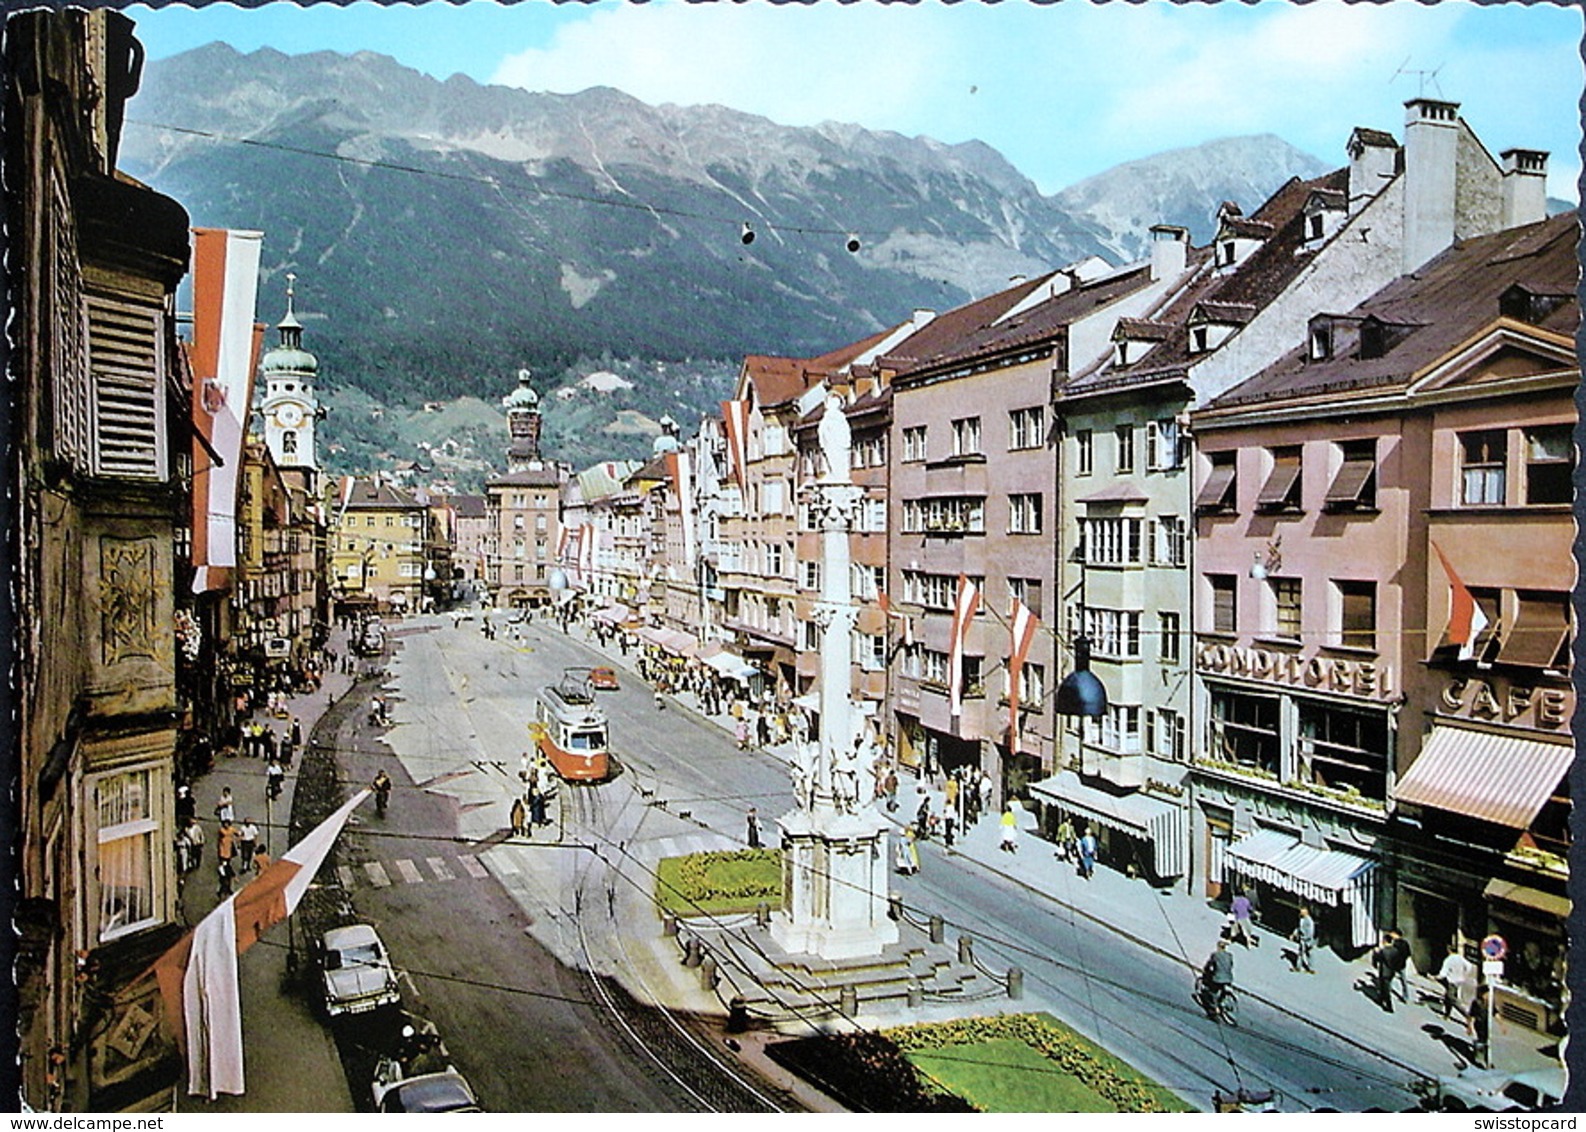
pixel 1218 1000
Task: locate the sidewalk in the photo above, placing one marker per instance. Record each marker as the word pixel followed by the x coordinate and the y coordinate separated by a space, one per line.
pixel 1185 927
pixel 290 1062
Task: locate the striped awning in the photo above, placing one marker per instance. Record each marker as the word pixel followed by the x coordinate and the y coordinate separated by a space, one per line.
pixel 1499 778
pixel 1325 876
pixel 1151 819
pixel 613 615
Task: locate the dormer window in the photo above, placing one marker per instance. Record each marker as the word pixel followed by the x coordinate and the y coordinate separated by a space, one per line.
pixel 1226 253
pixel 1321 340
pixel 1316 226
pixel 1523 304
pixel 1198 340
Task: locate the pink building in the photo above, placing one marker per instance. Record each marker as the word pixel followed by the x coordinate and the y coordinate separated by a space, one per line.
pixel 1358 750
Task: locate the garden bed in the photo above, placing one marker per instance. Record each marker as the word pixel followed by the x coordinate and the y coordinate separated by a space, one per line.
pixel 1006 1063
pixel 717 884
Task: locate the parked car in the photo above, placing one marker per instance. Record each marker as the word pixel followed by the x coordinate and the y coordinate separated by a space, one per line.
pixel 418 1075
pixel 1499 1090
pixel 603 678
pixel 357 971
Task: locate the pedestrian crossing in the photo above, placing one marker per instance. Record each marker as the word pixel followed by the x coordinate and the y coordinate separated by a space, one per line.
pixel 507 863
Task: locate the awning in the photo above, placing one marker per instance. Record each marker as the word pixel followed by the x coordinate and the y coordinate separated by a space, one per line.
pixel 1485 774
pixel 1530 897
pixel 1159 822
pixel 674 642
pixel 613 615
pixel 650 636
pixel 1326 876
pixel 732 665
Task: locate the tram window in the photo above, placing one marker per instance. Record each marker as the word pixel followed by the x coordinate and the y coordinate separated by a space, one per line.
pixel 584 740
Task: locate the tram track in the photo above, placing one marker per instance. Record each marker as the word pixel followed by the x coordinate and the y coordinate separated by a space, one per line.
pixel 654 1031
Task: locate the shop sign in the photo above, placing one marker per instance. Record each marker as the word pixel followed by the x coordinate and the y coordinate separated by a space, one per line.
pixel 1317 673
pixel 1493 700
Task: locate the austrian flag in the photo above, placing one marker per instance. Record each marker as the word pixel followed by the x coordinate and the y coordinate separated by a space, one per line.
pixel 1023 630
pixel 963 614
pixel 1466 621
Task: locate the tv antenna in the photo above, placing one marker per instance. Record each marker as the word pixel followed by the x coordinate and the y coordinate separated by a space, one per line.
pixel 1422 77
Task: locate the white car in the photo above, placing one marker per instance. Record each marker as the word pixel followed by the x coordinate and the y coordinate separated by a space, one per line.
pixel 446 1091
pixel 1500 1090
pixel 357 971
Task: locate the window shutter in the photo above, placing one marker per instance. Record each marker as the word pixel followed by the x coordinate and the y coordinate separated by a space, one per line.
pixel 125 358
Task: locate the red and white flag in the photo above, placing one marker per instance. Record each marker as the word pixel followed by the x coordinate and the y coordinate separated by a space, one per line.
pixel 1466 621
pixel 963 613
pixel 1023 631
pixel 223 354
pixel 886 610
pixel 198 976
pixel 735 421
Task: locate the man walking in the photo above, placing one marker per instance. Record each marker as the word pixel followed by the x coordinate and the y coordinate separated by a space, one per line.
pixel 1458 976
pixel 247 841
pixel 1087 854
pixel 1243 929
pixel 753 823
pixel 1304 941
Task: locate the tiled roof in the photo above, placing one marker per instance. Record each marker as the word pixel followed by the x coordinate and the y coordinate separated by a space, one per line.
pixel 547 476
pixel 1035 326
pixel 371 495
pixel 1369 136
pixel 938 337
pixel 1239 313
pixel 1142 329
pixel 1251 285
pixel 1241 226
pixel 468 506
pixel 1433 310
pixel 775 380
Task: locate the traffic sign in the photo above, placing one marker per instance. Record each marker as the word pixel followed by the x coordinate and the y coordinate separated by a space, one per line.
pixel 1494 947
pixel 1492 968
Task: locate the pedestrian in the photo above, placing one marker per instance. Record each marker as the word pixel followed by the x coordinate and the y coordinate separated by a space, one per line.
pixel 261 861
pixel 909 853
pixel 186 806
pixel 1087 854
pixel 753 823
pixel 740 733
pixel 519 817
pixel 247 841
pixel 274 779
pixel 1065 839
pixel 762 730
pixel 1400 963
pixel 537 807
pixel 1010 829
pixel 890 788
pixel 1458 976
pixel 194 833
pixel 983 794
pixel 223 878
pixel 225 809
pixel 1242 929
pixel 382 791
pixel 1385 966
pixel 949 821
pixel 268 738
pixel 1304 941
pixel 950 794
pixel 922 817
pixel 1480 1024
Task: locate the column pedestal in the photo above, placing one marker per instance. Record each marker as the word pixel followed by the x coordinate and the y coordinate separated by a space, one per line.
pixel 834 872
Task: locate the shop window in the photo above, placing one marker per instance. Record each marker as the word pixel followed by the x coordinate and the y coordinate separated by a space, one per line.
pixel 1245 731
pixel 1281 492
pixel 1225 617
pixel 1217 494
pixel 1549 831
pixel 1357 605
pixel 1482 468
pixel 1343 750
pixel 1354 488
pixel 1549 464
pixel 1286 602
pixel 1540 636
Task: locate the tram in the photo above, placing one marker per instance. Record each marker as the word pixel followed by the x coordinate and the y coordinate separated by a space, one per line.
pixel 570 728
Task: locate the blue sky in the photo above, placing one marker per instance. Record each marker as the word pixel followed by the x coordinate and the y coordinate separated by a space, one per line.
pixel 1063 90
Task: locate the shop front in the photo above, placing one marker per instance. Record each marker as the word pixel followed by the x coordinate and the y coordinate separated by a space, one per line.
pixel 1137 833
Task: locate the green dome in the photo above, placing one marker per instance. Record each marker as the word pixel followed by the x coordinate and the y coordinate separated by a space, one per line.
pixel 284 359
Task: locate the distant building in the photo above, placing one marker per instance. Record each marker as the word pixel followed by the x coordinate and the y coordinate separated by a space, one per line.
pixel 523 509
pixel 378 551
pixel 471 519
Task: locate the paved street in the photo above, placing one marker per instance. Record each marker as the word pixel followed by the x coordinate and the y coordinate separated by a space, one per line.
pixel 534 953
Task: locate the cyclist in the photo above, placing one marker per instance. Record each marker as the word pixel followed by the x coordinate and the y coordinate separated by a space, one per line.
pixel 1217 980
pixel 382 792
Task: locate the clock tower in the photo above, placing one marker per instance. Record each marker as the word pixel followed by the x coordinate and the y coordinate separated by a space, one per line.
pixel 289 406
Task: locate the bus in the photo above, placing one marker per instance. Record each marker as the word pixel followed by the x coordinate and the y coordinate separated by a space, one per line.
pixel 570 728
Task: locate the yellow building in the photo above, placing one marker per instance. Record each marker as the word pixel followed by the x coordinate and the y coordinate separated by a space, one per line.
pixel 378 538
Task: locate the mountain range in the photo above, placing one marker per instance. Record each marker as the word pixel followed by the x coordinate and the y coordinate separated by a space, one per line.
pixel 445 234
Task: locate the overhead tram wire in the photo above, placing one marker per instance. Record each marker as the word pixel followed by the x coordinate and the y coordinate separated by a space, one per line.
pixel 851 237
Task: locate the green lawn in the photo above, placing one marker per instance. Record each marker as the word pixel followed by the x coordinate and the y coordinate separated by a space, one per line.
pixel 719 884
pixel 1029 1063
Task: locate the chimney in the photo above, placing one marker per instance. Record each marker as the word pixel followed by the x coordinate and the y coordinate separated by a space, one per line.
pixel 1169 251
pixel 1524 186
pixel 1373 158
pixel 1431 145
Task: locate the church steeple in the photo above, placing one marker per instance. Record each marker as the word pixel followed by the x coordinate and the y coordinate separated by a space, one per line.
pixel 523 422
pixel 289 406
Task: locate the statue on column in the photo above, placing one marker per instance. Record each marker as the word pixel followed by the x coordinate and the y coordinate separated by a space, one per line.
pixel 836 438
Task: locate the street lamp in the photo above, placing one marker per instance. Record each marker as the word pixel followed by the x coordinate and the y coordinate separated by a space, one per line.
pixel 1081 693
